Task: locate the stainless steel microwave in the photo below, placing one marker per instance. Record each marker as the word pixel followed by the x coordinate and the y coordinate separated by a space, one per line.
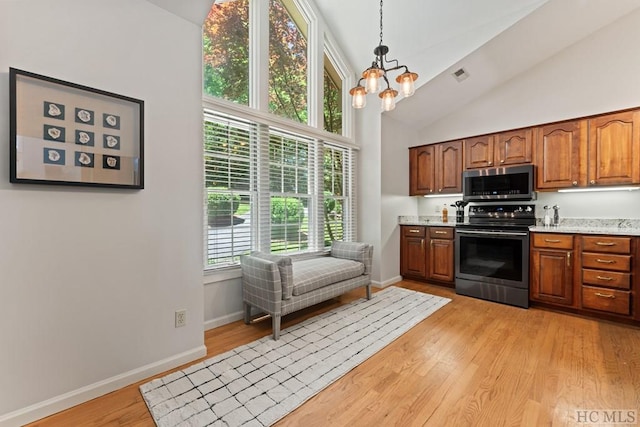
pixel 505 183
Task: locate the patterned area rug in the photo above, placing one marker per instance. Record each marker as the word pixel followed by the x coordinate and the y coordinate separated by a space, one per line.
pixel 259 383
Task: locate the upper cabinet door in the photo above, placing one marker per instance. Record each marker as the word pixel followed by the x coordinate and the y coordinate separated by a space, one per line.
pixel 614 149
pixel 561 154
pixel 449 167
pixel 422 173
pixel 513 148
pixel 478 152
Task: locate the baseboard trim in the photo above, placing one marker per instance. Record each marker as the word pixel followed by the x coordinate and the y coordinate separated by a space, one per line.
pixel 387 282
pixel 224 320
pixel 67 400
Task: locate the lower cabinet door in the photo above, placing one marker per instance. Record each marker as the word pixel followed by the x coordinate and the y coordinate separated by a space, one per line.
pixel 413 256
pixel 551 276
pixel 441 260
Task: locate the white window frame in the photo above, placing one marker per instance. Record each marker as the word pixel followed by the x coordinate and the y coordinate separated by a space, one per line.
pixel 319 43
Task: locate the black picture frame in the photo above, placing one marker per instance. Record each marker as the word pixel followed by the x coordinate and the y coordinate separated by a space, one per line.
pixel 52 121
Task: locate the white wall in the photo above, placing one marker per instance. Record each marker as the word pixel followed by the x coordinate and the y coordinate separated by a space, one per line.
pixel 369 180
pixel 395 190
pixel 596 75
pixel 90 278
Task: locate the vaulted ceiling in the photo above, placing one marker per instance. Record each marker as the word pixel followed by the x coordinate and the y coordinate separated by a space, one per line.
pixel 493 40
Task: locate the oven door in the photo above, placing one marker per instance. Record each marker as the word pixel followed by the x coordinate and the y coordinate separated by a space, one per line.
pixel 493 256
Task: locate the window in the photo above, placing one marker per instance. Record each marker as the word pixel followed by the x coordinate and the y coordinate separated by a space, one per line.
pixel 335 200
pixel 229 156
pixel 332 98
pixel 287 61
pixel 225 41
pixel 272 184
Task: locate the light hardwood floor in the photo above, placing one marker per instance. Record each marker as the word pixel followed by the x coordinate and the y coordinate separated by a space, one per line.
pixel 472 363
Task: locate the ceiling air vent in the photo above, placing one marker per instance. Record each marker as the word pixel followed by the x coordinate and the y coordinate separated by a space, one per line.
pixel 460 74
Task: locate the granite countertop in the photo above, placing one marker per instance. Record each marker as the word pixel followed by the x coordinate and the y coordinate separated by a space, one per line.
pixel 623 227
pixel 432 220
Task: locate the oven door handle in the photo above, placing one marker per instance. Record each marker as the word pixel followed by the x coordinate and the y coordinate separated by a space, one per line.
pixel 494 233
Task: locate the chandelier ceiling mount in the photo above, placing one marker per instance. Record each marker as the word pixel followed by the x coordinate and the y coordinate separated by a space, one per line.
pixel 378 70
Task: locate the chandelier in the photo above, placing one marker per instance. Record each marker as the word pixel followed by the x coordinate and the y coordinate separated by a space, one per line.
pixel 378 70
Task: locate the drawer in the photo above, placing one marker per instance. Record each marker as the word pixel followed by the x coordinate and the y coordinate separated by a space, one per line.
pixel 441 232
pixel 413 231
pixel 606 261
pixel 612 279
pixel 557 241
pixel 613 245
pixel 608 300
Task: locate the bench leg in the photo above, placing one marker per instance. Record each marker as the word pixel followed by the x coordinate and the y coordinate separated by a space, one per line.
pixel 247 313
pixel 275 321
pixel 369 291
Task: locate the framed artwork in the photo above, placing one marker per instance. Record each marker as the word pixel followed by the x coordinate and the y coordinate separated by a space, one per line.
pixel 67 134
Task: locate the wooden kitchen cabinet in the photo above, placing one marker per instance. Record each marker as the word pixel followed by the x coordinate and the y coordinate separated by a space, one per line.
pixel 552 265
pixel 413 251
pixel 435 169
pixel 606 274
pixel 561 155
pixel 602 150
pixel 427 253
pixel 514 147
pixel 614 149
pixel 478 152
pixel 422 170
pixel 502 149
pixel 441 254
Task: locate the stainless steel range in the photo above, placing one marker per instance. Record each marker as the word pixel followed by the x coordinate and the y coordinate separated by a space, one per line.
pixel 492 253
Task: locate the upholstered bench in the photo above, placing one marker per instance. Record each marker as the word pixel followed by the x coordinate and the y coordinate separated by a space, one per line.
pixel 280 285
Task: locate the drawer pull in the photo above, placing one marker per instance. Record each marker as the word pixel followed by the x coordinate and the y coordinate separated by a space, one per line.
pixel 605 261
pixel 552 240
pixel 440 232
pixel 608 279
pixel 605 243
pixel 598 294
pixel 414 231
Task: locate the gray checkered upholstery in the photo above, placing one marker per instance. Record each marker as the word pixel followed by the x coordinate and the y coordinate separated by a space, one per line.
pixel 284 266
pixel 308 281
pixel 314 273
pixel 361 252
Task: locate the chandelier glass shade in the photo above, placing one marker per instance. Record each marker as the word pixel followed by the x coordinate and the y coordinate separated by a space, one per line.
pixel 376 76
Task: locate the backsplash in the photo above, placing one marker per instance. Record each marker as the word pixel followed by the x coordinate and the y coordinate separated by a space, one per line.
pixel 613 205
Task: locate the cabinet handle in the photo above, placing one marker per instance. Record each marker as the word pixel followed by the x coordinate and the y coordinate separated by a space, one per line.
pixel 608 279
pixel 490 163
pixel 502 161
pixel 598 294
pixel 574 183
pixel 605 261
pixel 592 182
pixel 605 243
pixel 414 231
pixel 422 244
pixel 568 259
pixel 552 240
pixel 440 232
pixel 440 190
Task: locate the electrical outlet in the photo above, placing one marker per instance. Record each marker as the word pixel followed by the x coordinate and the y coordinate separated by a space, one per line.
pixel 181 318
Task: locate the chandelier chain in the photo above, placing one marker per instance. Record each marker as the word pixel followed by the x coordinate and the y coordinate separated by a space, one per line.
pixel 380 22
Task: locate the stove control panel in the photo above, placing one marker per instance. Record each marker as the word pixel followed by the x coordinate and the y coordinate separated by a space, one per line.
pixel 502 211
